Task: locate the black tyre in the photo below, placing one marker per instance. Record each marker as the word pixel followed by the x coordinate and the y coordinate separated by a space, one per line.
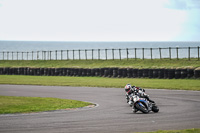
pixel 155 109
pixel 142 109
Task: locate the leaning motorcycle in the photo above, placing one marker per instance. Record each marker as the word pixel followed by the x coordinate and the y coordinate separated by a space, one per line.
pixel 143 105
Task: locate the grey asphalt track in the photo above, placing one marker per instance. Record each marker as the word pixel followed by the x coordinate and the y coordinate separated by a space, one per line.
pixel 178 110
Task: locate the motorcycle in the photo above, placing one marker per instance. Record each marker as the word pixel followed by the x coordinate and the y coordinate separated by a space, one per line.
pixel 143 105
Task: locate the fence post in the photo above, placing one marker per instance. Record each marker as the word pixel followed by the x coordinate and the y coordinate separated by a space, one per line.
pixel 99 54
pixel 143 53
pixel 22 55
pixel 42 55
pixel 135 53
pixel 106 53
pixel 79 54
pixel 188 53
pixel 170 53
pixel 17 55
pixel 47 55
pixel 7 55
pixel 67 54
pixel 73 54
pixel 92 54
pixel 3 55
pixel 120 54
pixel 12 55
pixel 127 53
pixel 27 55
pixel 113 53
pixel 37 55
pixel 50 54
pixel 86 54
pixel 151 53
pixel 160 53
pixel 198 52
pixel 56 54
pixel 61 52
pixel 177 52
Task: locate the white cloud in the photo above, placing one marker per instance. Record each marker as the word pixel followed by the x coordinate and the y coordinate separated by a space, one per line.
pixel 183 4
pixel 93 20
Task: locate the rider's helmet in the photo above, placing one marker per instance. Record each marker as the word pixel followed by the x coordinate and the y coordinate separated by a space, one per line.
pixel 128 87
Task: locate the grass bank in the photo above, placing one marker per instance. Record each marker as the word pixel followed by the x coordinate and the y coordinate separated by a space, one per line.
pixel 178 84
pixel 177 131
pixel 11 104
pixel 131 63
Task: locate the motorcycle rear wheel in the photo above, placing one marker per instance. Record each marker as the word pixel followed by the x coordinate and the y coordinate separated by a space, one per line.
pixel 155 109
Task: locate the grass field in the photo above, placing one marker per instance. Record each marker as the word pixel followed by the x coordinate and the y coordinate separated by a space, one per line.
pixel 11 104
pixel 179 84
pixel 177 131
pixel 131 63
pixel 185 84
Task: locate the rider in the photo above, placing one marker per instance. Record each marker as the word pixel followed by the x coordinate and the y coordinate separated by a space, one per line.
pixel 141 93
pixel 129 92
pixel 133 90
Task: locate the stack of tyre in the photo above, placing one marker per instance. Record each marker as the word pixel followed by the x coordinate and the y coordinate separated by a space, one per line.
pixel 162 73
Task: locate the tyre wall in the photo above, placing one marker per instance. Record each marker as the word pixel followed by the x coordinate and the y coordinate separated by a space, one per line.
pixel 178 73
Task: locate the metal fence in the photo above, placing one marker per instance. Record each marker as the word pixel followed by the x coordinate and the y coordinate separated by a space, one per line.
pixel 104 54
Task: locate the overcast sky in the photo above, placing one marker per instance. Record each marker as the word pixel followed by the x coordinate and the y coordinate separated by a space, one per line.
pixel 100 20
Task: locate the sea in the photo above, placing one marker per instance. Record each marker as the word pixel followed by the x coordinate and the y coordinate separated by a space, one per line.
pixel 40 50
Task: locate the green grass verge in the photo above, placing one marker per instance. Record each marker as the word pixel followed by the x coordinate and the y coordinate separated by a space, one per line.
pixel 178 84
pixel 11 104
pixel 177 131
pixel 131 63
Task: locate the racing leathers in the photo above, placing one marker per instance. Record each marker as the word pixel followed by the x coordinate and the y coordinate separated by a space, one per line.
pixel 129 93
pixel 136 91
pixel 141 93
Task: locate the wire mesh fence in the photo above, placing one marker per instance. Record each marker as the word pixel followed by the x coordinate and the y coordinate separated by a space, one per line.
pixel 104 54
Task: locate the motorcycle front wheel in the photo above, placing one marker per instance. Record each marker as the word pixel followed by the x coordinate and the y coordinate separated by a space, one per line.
pixel 142 109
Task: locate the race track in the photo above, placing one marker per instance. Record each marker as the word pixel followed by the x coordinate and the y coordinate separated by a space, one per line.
pixel 178 110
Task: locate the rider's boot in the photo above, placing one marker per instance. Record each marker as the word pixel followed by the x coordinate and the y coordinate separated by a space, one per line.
pixel 147 97
pixel 151 101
